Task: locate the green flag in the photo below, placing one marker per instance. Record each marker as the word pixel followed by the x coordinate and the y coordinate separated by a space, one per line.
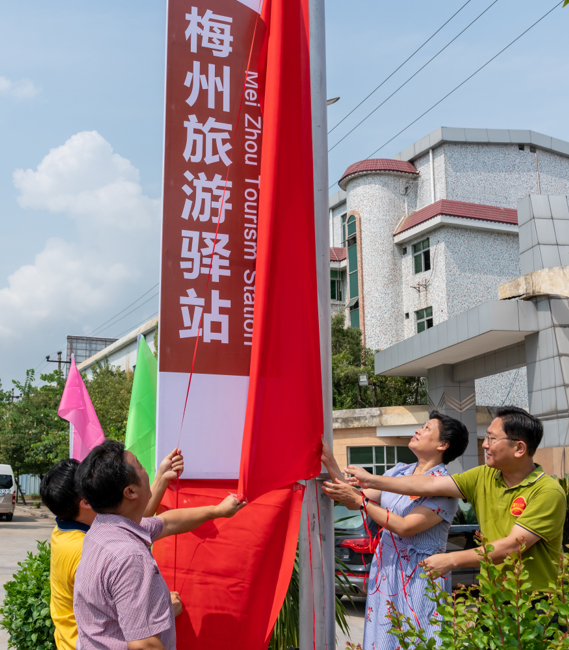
pixel 141 425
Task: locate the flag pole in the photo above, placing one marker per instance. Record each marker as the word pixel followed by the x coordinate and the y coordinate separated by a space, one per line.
pixel 317 598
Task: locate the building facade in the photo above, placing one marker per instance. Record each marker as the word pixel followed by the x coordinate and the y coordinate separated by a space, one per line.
pixel 433 232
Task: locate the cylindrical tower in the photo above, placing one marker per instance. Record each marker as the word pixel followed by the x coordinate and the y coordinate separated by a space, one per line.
pixel 380 192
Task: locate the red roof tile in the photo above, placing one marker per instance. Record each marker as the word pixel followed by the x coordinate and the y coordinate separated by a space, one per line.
pixel 337 254
pixel 458 209
pixel 378 165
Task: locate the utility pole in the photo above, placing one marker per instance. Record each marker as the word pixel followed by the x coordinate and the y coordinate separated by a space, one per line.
pixel 59 361
pixel 317 597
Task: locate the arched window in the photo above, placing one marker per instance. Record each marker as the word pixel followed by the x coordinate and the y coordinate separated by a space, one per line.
pixel 353 286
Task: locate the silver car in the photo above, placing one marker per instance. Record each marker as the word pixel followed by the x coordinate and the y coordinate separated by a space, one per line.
pixel 7 492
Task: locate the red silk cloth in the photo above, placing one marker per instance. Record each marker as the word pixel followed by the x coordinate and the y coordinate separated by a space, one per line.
pixel 284 420
pixel 232 574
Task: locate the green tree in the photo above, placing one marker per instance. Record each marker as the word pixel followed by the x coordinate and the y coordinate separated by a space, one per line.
pixel 350 359
pixel 110 389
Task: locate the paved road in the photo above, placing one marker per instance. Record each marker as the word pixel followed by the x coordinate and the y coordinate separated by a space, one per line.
pixel 356 617
pixel 17 537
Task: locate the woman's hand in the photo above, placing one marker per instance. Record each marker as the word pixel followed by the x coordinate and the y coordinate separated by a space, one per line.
pixel 176 603
pixel 346 494
pixel 360 477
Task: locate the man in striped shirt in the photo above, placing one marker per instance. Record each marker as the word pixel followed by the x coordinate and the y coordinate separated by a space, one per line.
pixel 121 600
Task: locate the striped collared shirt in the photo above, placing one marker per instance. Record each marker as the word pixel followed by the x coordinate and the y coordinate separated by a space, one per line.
pixel 120 595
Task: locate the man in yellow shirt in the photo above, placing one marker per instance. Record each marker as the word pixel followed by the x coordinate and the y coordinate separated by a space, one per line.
pixel 74 517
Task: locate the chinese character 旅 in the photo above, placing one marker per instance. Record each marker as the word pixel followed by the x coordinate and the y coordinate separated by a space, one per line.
pixel 215 134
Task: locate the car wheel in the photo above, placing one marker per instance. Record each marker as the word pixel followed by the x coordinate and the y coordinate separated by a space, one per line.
pixel 9 516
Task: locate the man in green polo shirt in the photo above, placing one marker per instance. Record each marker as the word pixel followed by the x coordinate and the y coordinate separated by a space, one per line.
pixel 512 497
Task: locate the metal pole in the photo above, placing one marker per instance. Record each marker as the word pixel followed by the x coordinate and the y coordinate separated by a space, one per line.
pixel 317 599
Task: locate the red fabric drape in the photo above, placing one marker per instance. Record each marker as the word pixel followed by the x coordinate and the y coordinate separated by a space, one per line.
pixel 232 574
pixel 284 420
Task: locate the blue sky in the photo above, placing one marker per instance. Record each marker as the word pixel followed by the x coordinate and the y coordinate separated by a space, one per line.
pixel 85 81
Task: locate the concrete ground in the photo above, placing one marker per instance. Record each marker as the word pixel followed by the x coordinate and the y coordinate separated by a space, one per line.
pixel 356 618
pixel 17 537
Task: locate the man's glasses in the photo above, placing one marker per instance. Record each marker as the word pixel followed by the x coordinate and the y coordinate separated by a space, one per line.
pixel 491 440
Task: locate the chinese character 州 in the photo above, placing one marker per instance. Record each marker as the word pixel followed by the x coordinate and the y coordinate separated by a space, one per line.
pixel 196 81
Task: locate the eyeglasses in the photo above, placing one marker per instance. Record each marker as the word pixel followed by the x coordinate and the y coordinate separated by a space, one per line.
pixel 491 440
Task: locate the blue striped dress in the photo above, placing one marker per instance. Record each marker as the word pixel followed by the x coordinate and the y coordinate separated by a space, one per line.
pixel 386 581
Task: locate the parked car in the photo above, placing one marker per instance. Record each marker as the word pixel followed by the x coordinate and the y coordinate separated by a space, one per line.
pixel 352 546
pixel 7 492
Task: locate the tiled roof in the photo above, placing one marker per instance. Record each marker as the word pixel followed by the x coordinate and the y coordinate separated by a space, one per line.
pixel 378 165
pixel 458 209
pixel 337 254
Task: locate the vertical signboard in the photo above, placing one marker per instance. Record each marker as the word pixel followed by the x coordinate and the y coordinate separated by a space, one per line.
pixel 209 231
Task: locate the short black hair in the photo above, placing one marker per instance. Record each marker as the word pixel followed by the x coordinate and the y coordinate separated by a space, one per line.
pixel 58 492
pixel 103 476
pixel 518 424
pixel 452 431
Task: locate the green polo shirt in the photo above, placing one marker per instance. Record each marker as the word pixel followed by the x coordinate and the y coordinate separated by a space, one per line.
pixel 537 504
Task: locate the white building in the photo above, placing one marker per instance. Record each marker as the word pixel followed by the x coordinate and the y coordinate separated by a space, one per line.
pixel 433 232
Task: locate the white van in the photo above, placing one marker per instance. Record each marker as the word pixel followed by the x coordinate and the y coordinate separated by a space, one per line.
pixel 7 492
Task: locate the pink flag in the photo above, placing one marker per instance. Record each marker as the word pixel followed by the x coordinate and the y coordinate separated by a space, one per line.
pixel 76 408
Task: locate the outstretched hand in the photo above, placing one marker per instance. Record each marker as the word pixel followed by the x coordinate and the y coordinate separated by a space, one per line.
pixel 230 506
pixel 359 477
pixel 327 453
pixel 346 494
pixel 172 466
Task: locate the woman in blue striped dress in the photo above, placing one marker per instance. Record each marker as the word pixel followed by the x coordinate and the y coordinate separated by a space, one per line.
pixel 415 529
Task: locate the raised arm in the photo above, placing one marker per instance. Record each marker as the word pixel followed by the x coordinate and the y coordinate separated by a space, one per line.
pixel 168 470
pixel 184 520
pixel 420 485
pixel 445 562
pixel 420 519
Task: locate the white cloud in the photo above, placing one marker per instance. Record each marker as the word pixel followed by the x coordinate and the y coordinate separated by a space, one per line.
pixel 112 249
pixel 23 89
pixel 86 180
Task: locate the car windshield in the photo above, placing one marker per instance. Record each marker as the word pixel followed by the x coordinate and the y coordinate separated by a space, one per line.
pixel 5 482
pixel 345 519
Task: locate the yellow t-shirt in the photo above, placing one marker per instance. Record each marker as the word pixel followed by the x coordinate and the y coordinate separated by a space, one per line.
pixel 66 546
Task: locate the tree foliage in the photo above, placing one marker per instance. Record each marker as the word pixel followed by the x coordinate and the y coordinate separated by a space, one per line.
pixel 350 359
pixel 25 612
pixel 32 435
pixel 502 612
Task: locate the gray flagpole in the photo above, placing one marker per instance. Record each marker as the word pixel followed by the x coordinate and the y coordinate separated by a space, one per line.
pixel 317 598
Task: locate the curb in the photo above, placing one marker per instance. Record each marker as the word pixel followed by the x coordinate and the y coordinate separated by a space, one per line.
pixel 36 512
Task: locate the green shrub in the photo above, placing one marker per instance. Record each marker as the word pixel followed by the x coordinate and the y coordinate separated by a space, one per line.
pixel 502 612
pixel 25 614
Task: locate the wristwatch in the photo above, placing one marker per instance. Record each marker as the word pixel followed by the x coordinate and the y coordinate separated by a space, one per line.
pixel 365 501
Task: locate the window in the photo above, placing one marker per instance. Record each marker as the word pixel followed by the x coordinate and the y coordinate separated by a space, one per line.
pixel 424 319
pixel 344 233
pixel 422 256
pixel 5 482
pixel 377 460
pixel 353 285
pixel 336 283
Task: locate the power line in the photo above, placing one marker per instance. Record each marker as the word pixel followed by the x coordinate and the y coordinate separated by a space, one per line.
pixel 462 83
pixel 399 68
pixel 412 76
pixel 139 324
pixel 467 79
pixel 130 312
pixel 120 312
